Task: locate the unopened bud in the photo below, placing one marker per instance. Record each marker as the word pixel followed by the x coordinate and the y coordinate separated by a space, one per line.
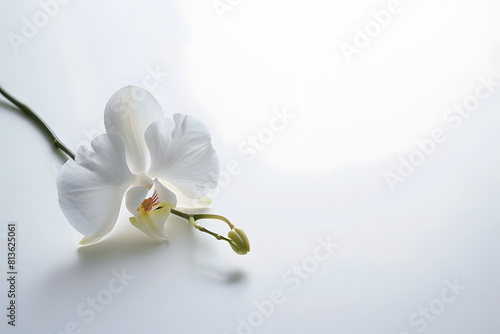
pixel 240 244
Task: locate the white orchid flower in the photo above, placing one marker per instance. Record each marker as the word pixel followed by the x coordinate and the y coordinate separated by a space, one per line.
pixel 153 161
pixel 149 159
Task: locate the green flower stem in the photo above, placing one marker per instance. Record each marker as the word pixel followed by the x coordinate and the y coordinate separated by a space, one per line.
pixel 210 216
pixel 31 114
pixel 193 218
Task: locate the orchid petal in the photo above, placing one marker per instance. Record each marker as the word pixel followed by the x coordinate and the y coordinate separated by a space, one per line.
pixel 129 112
pixel 91 188
pixel 186 202
pixel 183 155
pixel 165 195
pixel 134 198
pixel 89 240
pixel 151 224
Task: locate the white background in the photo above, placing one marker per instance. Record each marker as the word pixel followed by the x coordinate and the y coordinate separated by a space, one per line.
pixel 322 176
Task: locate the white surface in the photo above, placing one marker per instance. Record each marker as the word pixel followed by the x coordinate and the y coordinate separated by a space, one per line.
pixel 322 175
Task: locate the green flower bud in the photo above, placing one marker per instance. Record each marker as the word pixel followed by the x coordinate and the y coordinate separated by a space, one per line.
pixel 240 243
